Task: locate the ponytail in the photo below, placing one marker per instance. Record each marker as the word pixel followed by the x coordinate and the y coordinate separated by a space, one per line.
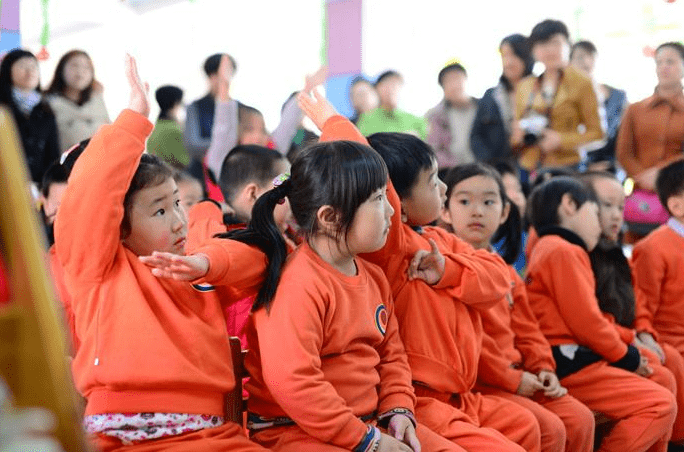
pixel 263 233
pixel 511 234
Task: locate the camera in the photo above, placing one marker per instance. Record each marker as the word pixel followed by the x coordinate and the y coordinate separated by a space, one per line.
pixel 533 125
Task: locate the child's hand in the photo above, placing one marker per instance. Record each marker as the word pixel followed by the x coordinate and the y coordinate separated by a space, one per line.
pixel 552 387
pixel 138 101
pixel 401 428
pixel 317 108
pixel 225 74
pixel 315 79
pixel 389 444
pixel 529 384
pixel 644 369
pixel 427 265
pixel 650 343
pixel 173 266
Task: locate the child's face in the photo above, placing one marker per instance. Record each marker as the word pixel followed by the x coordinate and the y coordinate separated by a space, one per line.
pixel 53 200
pixel 611 198
pixel 190 192
pixel 253 131
pixel 475 210
pixel 424 204
pixel 583 222
pixel 371 224
pixel 157 220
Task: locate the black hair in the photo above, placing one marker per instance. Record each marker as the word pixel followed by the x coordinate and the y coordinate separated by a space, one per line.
pixel 180 176
pixel 545 199
pixel 359 79
pixel 151 172
pixel 245 111
pixel 387 74
pixel 587 46
pixel 551 172
pixel 511 230
pixel 59 85
pixel 522 49
pixel 168 96
pixel 72 154
pixel 55 174
pixel 453 67
pixel 6 74
pixel 211 64
pixel 546 29
pixel 405 156
pixel 247 163
pixel 673 45
pixel 670 182
pixel 341 174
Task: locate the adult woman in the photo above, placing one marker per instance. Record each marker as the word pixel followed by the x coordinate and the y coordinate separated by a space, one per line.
pixel 557 112
pixel 491 132
pixel 20 93
pixel 76 98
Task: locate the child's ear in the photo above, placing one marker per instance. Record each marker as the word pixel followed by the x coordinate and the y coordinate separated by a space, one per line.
pixel 249 193
pixel 404 217
pixel 567 206
pixel 505 212
pixel 327 219
pixel 675 204
pixel 445 215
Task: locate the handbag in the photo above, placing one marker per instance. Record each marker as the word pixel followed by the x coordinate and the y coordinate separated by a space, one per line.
pixel 644 207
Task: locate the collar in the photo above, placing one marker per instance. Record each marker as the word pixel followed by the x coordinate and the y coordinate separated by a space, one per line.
pixel 656 99
pixel 563 233
pixel 676 226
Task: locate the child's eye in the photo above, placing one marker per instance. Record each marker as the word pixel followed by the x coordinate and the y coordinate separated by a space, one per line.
pixel 489 202
pixel 159 212
pixel 465 202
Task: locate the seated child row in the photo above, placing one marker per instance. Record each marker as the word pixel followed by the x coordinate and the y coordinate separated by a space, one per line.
pixel 377 332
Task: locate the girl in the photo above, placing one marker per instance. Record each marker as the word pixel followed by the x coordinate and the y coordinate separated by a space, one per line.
pixel 76 98
pixel 593 360
pixel 153 361
pixel 516 362
pixel 166 140
pixel 20 92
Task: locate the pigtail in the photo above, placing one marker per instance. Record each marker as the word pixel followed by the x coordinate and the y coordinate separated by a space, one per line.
pixel 510 235
pixel 263 233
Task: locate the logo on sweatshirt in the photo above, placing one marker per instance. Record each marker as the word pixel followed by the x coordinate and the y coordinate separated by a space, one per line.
pixel 381 318
pixel 203 287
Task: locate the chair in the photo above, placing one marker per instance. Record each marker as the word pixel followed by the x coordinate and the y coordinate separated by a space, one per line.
pixel 235 402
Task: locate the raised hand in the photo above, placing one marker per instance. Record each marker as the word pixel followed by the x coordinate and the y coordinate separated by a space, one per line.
pixel 173 266
pixel 427 265
pixel 316 107
pixel 401 428
pixel 529 384
pixel 552 386
pixel 138 101
pixel 315 79
pixel 225 74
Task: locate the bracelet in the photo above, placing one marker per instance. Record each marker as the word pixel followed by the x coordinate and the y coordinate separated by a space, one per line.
pixel 384 418
pixel 370 441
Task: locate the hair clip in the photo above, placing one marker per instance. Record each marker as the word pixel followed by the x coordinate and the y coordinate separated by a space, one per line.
pixel 278 181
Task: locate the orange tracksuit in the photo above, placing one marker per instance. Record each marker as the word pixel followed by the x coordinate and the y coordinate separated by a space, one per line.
pixel 147 344
pixel 512 344
pixel 561 291
pixel 326 354
pixel 442 331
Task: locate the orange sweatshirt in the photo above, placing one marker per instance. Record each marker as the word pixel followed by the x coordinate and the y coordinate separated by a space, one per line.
pixel 329 350
pixel 657 269
pixel 63 294
pixel 562 293
pixel 147 344
pixel 440 324
pixel 513 341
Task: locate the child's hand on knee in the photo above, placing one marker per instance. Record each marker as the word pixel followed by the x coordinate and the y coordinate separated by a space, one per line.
pixel 644 369
pixel 389 444
pixel 650 343
pixel 529 384
pixel 401 428
pixel 551 384
pixel 427 265
pixel 173 266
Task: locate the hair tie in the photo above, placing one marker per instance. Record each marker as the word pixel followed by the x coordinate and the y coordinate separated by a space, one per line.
pixel 278 181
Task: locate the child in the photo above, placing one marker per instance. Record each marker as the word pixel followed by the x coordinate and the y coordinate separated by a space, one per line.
pixel 592 360
pixel 438 320
pixel 154 361
pixel 516 361
pixel 615 292
pixel 325 354
pixel 656 266
pixel 189 189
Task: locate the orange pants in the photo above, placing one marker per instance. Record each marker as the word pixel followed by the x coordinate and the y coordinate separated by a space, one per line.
pixel 565 423
pixel 643 410
pixel 477 422
pixel 674 362
pixel 227 438
pixel 294 439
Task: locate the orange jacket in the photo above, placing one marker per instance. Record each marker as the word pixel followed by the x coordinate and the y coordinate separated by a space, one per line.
pixel 57 273
pixel 147 344
pixel 562 293
pixel 657 264
pixel 513 341
pixel 328 351
pixel 440 324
